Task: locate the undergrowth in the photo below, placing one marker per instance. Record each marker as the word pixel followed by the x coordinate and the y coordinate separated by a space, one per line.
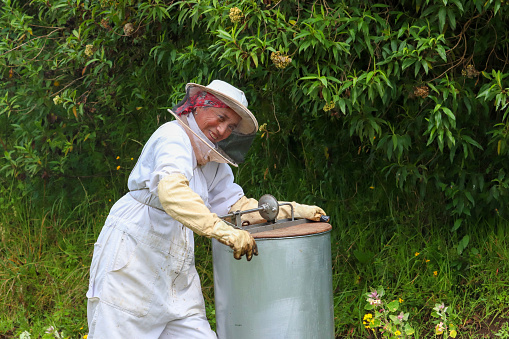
pixel 415 257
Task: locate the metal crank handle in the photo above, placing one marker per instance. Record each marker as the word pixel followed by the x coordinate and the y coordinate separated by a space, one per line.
pixel 324 218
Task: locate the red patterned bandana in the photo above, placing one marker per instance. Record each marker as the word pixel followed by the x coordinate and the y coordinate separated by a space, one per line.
pixel 202 99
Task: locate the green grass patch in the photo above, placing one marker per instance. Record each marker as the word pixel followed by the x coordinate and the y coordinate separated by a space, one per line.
pixel 418 260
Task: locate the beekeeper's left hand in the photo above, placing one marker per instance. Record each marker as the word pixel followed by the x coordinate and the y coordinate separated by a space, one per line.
pixel 300 211
pixel 303 211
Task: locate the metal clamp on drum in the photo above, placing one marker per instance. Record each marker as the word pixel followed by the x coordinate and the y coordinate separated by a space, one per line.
pixel 288 286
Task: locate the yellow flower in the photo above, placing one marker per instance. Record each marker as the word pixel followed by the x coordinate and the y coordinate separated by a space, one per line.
pixel 372 187
pixel 417 253
pixel 397 332
pixel 328 105
pixel 118 167
pixel 85 336
pixel 439 329
pixel 435 273
pixel 400 300
pixel 368 320
pixel 427 260
pixel 131 159
pixel 118 157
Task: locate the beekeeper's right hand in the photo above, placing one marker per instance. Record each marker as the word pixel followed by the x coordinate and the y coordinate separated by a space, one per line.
pixel 242 242
pixel 186 206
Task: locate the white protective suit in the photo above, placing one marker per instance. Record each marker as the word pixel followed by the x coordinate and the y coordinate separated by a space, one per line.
pixel 143 282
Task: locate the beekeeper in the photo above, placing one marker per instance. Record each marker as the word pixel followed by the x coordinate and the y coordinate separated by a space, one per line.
pixel 143 282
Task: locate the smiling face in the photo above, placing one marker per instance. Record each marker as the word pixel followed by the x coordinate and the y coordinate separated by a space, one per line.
pixel 216 123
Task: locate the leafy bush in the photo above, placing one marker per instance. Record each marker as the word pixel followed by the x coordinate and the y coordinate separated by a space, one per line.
pixel 410 95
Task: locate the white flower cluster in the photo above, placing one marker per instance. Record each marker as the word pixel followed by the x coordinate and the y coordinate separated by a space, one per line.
pixel 89 50
pixel 281 61
pixel 235 14
pixel 128 28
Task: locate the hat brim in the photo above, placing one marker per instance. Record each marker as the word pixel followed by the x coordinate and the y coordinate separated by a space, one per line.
pixel 248 124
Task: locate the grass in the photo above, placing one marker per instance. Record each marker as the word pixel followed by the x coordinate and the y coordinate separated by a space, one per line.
pixel 46 254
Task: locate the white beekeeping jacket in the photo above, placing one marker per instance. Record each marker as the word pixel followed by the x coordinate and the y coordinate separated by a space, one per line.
pixel 169 150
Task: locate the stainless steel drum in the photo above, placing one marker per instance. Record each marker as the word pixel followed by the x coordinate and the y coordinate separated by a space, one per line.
pixel 283 293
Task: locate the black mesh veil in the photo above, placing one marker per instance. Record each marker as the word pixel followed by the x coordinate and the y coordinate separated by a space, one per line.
pixel 236 146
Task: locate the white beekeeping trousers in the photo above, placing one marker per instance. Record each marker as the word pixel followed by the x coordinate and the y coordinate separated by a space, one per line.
pixel 142 285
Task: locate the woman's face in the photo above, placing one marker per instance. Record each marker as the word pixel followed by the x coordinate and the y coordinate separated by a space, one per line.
pixel 216 123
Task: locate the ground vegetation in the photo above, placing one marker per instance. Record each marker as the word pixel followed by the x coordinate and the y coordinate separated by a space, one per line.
pixel 391 115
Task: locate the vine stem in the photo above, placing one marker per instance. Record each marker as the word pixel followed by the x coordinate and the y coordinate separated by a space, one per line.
pixel 39 37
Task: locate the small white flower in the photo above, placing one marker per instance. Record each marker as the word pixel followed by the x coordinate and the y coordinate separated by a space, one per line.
pixel 372 301
pixel 89 50
pixel 57 100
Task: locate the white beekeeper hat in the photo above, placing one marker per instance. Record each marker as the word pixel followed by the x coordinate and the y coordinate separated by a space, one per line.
pixel 231 96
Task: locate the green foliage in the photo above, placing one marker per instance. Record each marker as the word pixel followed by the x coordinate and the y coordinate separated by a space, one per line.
pixel 413 91
pixel 443 325
pixel 390 115
pixel 46 256
pixel 383 316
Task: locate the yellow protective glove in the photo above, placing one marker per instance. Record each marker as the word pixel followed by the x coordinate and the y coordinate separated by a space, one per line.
pixel 186 206
pixel 299 211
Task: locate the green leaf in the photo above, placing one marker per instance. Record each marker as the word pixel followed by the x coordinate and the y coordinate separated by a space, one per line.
pixel 408 329
pixel 448 112
pixel 497 6
pixel 462 245
pixel 441 52
pixel 364 257
pixel 393 306
pixel 452 18
pixel 255 58
pixel 425 65
pixel 341 103
pixel 407 63
pixel 472 142
pixel 441 18
pixel 458 4
pixel 457 225
pixel 369 76
pixel 224 35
